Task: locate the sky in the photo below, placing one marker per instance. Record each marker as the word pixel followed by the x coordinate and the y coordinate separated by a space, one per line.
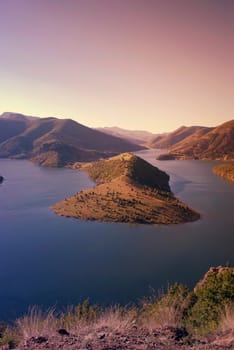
pixel 138 64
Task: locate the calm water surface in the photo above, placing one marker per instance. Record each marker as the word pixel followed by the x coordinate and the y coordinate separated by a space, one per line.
pixel 49 260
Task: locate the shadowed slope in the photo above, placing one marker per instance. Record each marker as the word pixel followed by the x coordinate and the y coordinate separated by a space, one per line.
pixel 56 142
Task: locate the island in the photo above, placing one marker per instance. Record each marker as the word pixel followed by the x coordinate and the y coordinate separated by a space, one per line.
pixel 1 179
pixel 225 170
pixel 128 190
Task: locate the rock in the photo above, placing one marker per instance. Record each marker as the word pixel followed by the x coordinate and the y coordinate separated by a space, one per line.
pixel 101 336
pixel 63 331
pixel 1 179
pixel 180 333
pixel 39 340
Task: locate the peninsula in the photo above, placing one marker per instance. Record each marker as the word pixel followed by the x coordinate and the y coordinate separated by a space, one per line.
pixel 128 189
pixel 225 170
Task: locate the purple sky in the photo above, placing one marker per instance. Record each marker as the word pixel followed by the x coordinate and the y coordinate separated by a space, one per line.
pixel 146 64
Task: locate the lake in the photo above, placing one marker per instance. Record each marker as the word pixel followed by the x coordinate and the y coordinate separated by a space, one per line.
pixel 49 260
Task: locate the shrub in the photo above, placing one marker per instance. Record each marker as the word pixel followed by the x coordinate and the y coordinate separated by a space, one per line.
pixel 216 291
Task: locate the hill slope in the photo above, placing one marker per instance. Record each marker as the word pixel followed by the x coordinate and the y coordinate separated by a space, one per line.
pixel 56 142
pixel 171 139
pixel 225 170
pixel 129 190
pixel 205 143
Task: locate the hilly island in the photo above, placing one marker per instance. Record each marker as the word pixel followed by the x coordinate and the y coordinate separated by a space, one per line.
pixel 128 189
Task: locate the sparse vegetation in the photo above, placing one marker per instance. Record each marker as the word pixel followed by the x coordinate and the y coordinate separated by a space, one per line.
pixel 129 190
pixel 225 170
pixel 178 313
pixel 206 309
pixel 227 318
pixel 213 294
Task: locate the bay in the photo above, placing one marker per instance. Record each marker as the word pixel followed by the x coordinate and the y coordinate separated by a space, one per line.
pixel 49 260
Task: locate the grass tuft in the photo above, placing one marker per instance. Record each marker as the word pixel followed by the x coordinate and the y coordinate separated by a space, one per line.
pixel 36 323
pixel 227 318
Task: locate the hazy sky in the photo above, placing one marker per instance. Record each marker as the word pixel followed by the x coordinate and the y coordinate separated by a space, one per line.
pixel 138 64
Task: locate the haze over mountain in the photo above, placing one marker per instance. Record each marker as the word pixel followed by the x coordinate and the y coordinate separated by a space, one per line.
pixel 199 142
pixel 56 142
pixel 140 137
pixel 16 116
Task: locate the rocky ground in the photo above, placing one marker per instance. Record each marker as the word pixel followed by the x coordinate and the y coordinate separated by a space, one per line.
pixel 135 338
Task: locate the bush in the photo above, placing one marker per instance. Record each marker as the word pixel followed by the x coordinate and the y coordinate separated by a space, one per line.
pixel 216 291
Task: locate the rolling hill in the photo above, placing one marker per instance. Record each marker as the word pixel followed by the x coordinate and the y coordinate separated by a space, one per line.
pixel 171 139
pixel 56 142
pixel 129 189
pixel 200 143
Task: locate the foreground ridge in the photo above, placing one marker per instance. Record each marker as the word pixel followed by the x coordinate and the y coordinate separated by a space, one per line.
pixel 201 319
pixel 134 338
pixel 128 189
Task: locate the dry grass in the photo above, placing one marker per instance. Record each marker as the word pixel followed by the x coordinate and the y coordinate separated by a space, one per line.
pixel 116 319
pixel 227 319
pixel 85 320
pixel 36 323
pixel 111 321
pixel 161 316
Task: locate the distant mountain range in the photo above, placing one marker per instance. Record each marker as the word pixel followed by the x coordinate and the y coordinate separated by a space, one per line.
pixel 56 142
pixel 198 142
pixel 140 137
pixel 193 142
pixel 60 142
